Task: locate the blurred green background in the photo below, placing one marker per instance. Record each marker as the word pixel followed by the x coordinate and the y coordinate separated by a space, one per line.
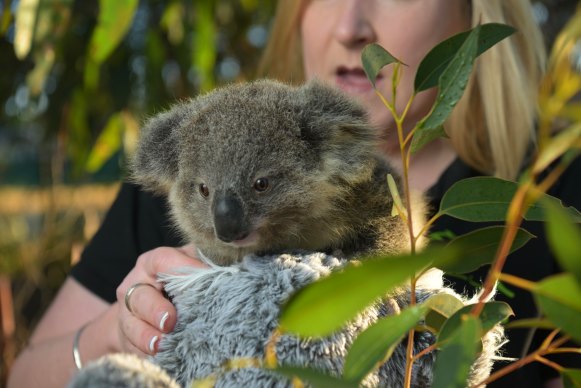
pixel 76 80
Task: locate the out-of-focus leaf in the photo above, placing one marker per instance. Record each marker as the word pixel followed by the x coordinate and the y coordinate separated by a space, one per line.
pixel 79 141
pixel 172 22
pixel 6 17
pixel 376 344
pixel 441 307
pixel 315 378
pixel 436 61
pixel 482 199
pixel 559 297
pixel 557 146
pixel 492 314
pixel 204 43
pixel 114 20
pixel 374 58
pixel 479 248
pixel 25 25
pixel 324 306
pixel 42 67
pixel 540 323
pixel 564 238
pixel 108 143
pixel 457 356
pixel 571 378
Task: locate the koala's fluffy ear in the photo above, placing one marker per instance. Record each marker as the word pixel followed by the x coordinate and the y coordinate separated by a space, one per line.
pixel 338 125
pixel 155 163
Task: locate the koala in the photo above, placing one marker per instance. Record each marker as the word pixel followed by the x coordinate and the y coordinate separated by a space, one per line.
pixel 264 167
pixel 277 186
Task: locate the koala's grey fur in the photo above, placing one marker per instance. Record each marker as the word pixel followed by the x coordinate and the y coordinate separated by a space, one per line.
pixel 327 188
pixel 327 202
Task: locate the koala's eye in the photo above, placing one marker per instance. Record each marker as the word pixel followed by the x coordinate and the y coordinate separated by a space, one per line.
pixel 204 190
pixel 261 184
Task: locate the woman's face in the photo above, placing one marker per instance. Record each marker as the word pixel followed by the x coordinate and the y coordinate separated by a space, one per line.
pixel 334 32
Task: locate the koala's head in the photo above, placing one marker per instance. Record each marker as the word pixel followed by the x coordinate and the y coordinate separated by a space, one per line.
pixel 257 167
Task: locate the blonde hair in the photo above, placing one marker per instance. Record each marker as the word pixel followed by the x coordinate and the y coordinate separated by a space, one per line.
pixel 492 137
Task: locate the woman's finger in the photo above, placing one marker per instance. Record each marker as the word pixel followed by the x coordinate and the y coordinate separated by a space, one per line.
pixel 147 303
pixel 137 336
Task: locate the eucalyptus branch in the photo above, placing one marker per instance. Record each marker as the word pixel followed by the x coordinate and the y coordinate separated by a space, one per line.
pixel 523 361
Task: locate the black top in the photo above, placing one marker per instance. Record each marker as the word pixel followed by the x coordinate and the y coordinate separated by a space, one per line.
pixel 138 221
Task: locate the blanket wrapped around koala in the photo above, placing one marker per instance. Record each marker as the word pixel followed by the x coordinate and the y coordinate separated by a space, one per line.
pixel 229 313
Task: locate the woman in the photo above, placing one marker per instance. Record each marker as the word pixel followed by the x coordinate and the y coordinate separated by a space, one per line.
pixel 491 130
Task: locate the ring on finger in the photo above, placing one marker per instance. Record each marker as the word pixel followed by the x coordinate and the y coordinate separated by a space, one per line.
pixel 130 291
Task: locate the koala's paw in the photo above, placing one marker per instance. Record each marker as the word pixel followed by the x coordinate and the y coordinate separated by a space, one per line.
pixel 122 370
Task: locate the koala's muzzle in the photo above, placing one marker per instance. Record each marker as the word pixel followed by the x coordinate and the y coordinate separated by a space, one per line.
pixel 229 220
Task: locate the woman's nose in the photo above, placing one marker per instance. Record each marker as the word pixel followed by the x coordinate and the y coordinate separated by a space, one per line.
pixel 354 27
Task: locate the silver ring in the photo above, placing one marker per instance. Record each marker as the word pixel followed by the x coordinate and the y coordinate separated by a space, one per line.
pixel 130 291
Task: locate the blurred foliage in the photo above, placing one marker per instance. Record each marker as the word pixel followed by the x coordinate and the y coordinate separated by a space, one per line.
pixel 83 74
pixel 77 79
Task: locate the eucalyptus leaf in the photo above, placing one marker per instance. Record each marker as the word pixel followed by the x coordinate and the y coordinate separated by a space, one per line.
pixel 539 323
pixel 564 238
pixel 559 297
pixel 425 136
pixel 457 356
pixel 479 248
pixel 435 62
pixel 315 378
pixel 441 307
pixel 558 145
pixel 25 24
pixel 571 378
pixel 324 306
pixel 374 58
pixel 113 22
pixel 491 314
pixel 482 199
pixel 376 344
pixel 451 85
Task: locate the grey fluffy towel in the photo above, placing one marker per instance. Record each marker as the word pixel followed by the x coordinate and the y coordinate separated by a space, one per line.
pixel 227 313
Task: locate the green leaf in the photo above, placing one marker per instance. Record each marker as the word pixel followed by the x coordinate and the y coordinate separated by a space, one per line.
pixel 479 248
pixel 324 306
pixel 559 297
pixel 26 19
pixel 539 323
pixel 457 356
pixel 564 238
pixel 558 145
pixel 492 314
pixel 425 136
pixel 482 199
pixel 571 378
pixel 114 20
pixel 204 42
pixel 453 81
pixel 314 378
pixel 376 344
pixel 374 58
pixel 442 306
pixel 108 143
pixel 436 61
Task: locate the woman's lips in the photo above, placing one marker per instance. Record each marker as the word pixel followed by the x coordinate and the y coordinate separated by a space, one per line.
pixel 353 80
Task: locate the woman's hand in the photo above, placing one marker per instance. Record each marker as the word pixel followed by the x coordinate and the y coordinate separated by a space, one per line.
pixel 150 314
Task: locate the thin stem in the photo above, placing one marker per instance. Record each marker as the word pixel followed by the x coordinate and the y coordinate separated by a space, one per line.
pixel 522 362
pixel 551 364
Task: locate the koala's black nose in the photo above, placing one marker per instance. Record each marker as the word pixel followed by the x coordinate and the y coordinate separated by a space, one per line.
pixel 229 220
